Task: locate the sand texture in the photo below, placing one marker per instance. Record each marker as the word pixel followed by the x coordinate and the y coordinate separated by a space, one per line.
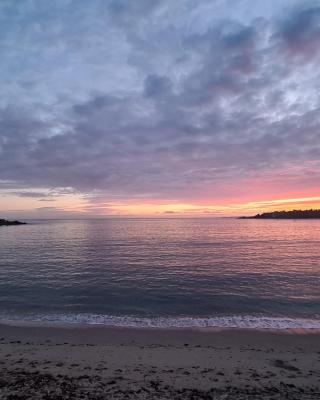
pixel 114 363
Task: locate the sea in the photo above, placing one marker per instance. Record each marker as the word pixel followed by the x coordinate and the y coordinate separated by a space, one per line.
pixel 162 272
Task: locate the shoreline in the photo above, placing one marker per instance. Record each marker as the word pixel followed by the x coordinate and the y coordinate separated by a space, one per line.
pixel 94 362
pixel 77 326
pixel 100 334
pixel 106 335
pixel 248 322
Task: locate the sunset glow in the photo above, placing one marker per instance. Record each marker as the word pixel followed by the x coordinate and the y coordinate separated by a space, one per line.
pixel 77 207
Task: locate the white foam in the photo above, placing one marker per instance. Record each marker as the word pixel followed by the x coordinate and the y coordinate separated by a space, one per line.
pixel 242 322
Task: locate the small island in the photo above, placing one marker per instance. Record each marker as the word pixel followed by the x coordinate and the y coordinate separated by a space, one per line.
pixel 294 214
pixel 4 222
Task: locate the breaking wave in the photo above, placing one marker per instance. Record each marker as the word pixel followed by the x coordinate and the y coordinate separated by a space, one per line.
pixel 242 322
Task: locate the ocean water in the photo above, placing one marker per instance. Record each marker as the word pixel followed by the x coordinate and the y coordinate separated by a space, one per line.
pixel 219 272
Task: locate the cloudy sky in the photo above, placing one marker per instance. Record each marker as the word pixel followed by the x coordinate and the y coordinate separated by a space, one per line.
pixel 158 107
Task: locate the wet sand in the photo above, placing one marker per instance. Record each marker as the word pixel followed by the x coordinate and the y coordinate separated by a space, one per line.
pixel 123 363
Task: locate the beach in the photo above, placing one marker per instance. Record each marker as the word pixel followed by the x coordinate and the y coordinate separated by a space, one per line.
pixel 96 362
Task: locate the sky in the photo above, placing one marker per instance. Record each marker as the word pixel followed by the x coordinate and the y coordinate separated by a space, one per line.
pixel 158 107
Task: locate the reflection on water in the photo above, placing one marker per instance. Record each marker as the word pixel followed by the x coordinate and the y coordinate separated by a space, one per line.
pixel 162 267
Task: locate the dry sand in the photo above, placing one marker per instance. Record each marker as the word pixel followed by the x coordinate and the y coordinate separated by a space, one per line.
pixel 116 363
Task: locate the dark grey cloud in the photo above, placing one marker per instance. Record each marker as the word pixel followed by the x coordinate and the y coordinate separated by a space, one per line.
pixel 300 32
pixel 127 10
pixel 154 100
pixel 32 195
pixel 157 86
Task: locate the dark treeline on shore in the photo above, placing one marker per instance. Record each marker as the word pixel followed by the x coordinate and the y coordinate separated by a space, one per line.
pixel 294 214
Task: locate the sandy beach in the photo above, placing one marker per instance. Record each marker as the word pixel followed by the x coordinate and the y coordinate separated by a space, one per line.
pixel 123 363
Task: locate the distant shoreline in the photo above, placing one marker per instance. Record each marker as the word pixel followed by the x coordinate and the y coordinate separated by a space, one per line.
pixel 5 222
pixel 294 214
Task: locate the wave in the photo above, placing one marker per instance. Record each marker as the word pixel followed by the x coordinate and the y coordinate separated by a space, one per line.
pixel 242 322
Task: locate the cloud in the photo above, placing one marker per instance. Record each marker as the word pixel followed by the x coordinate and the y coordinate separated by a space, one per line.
pixel 155 100
pixel 48 209
pixel 47 200
pixel 157 86
pixel 32 195
pixel 300 32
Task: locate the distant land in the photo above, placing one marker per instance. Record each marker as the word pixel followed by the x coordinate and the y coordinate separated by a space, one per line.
pixel 295 214
pixel 4 222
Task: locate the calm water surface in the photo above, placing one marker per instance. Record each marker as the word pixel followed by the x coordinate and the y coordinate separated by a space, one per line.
pixel 176 272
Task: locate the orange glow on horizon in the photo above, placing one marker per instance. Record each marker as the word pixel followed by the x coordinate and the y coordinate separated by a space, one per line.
pixel 189 209
pixel 77 206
